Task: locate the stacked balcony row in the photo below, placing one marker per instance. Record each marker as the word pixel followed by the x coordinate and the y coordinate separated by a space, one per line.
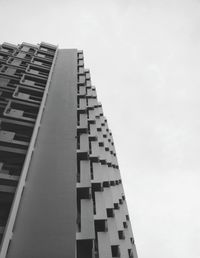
pixel 103 225
pixel 24 71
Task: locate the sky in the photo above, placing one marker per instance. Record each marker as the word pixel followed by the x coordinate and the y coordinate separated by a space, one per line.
pixel 144 58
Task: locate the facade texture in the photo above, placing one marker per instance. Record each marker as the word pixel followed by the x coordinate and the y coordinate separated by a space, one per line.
pixel 61 192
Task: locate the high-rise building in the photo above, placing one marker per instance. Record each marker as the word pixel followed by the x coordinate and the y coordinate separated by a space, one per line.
pixel 61 192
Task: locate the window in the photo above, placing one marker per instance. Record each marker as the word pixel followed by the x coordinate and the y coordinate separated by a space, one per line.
pixel 101 225
pixel 116 206
pixel 110 212
pixel 121 234
pixel 130 253
pixel 115 251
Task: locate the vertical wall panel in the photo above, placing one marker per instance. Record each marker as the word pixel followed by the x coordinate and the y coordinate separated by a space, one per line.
pixel 46 221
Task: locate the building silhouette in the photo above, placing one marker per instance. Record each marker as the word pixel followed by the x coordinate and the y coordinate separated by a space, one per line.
pixel 61 192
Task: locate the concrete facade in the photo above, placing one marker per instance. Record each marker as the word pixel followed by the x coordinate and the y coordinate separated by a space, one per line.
pixel 61 195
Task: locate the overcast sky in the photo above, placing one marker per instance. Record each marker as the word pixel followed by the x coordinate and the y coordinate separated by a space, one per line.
pixel 144 58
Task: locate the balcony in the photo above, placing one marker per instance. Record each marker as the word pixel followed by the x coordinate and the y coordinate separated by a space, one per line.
pixel 33 81
pixel 37 71
pixel 28 94
pixel 20 110
pixel 11 71
pixel 41 62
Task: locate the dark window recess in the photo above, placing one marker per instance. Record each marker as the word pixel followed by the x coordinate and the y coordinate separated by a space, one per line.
pixel 78 141
pixel 115 251
pixel 112 183
pixel 5 208
pixel 103 161
pixel 101 144
pixel 84 192
pixel 85 249
pixel 125 224
pixel 94 205
pixel 121 234
pixel 90 147
pixel 94 158
pixel 110 212
pixel 109 164
pixel 132 240
pixel 97 187
pixel 120 201
pixel 116 206
pixel 91 170
pixel 78 101
pixel 101 225
pixel 82 155
pixel 130 253
pixel 106 184
pixel 127 217
pixel 78 218
pixel 123 197
pixel 106 148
